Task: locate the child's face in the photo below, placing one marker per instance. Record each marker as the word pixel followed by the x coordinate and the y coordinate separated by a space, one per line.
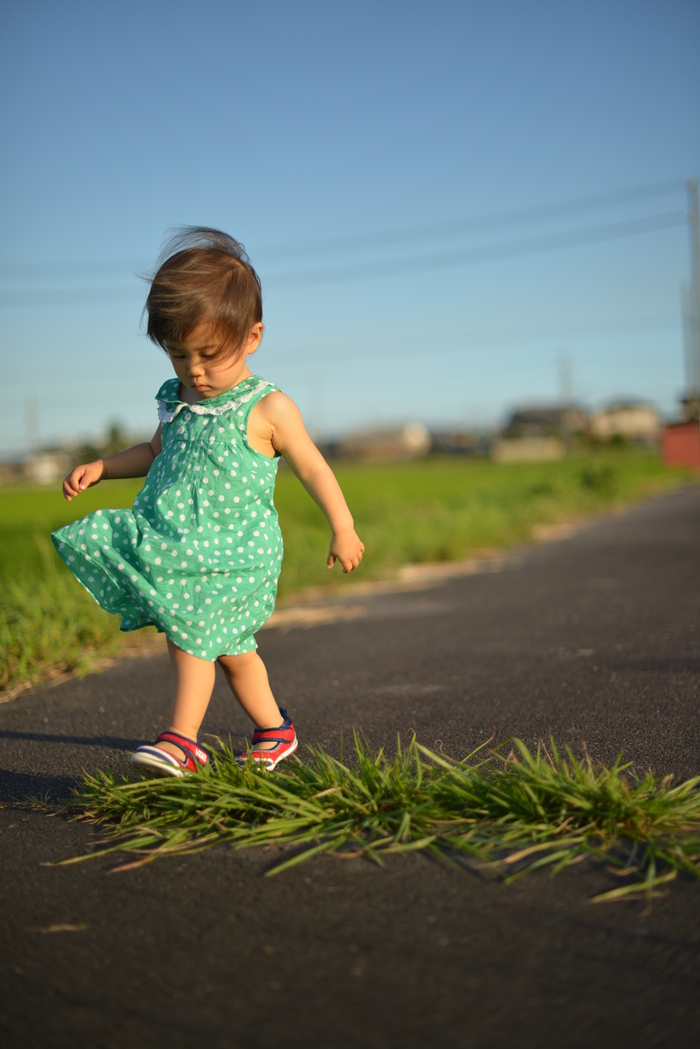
pixel 201 366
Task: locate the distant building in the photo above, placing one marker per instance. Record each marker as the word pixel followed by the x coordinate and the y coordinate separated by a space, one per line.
pixel 690 408
pixel 546 422
pixel 539 434
pixel 680 444
pixel 46 467
pixel 459 442
pixel 10 472
pixel 528 449
pixel 635 422
pixel 405 443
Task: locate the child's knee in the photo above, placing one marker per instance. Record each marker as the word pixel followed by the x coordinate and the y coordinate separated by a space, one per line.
pixel 239 662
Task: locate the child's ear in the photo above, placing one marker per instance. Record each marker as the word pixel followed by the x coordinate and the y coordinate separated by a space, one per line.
pixel 254 337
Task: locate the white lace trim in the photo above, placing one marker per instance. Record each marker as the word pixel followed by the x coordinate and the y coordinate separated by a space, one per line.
pixel 165 414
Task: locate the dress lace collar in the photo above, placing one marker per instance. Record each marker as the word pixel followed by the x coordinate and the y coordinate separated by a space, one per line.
pixel 170 405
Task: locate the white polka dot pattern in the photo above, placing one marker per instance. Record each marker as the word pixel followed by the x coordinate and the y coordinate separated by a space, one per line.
pixel 200 554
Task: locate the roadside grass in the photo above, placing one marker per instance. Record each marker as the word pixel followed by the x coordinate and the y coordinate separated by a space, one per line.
pixel 443 509
pixel 510 814
pixel 421 511
pixel 50 626
pixel 26 513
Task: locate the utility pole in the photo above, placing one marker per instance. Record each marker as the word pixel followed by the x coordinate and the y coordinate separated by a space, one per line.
pixel 692 304
pixel 566 380
pixel 31 422
pixel 566 397
pixel 692 379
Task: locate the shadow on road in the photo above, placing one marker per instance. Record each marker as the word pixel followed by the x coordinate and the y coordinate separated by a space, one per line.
pixel 21 786
pixel 689 665
pixel 111 742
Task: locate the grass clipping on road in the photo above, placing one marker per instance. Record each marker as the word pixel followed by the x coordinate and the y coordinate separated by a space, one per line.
pixel 513 814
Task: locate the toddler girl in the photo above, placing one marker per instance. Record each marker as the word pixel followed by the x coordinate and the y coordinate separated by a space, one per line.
pixel 200 554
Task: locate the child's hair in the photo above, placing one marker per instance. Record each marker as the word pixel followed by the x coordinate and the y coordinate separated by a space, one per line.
pixel 203 274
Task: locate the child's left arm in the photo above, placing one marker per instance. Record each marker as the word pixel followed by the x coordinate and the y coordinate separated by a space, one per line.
pixel 288 436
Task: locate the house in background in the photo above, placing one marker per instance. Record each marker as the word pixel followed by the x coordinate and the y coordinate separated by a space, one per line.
pixel 529 449
pixel 546 422
pixel 460 442
pixel 50 464
pixel 42 468
pixel 680 442
pixel 10 472
pixel 408 442
pixel 680 445
pixel 46 467
pixel 629 420
pixel 539 434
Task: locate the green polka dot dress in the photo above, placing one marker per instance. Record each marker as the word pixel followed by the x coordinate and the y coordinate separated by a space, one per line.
pixel 200 554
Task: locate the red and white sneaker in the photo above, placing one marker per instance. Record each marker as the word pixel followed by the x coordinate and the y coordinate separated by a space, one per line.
pixel 153 759
pixel 285 737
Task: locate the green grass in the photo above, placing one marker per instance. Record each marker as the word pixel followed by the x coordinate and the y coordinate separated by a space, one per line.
pixel 514 814
pixel 27 513
pixel 430 510
pixel 50 626
pixel 443 509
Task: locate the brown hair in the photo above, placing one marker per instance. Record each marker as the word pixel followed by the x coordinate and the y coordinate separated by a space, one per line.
pixel 203 275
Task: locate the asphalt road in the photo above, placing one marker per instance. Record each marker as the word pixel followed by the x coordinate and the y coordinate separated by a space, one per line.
pixel 595 639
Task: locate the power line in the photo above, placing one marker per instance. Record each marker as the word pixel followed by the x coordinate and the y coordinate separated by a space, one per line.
pixel 359 271
pixel 79 268
pixel 469 342
pixel 99 296
pixel 386 238
pixel 495 220
pixel 483 253
pixel 494 338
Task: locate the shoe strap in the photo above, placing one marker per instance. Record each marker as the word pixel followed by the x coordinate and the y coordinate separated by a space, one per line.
pixel 273 735
pixel 190 747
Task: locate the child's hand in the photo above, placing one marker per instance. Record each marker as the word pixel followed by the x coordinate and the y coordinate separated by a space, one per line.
pixel 347 548
pixel 82 477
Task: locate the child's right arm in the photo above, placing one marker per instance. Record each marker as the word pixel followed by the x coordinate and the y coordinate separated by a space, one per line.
pixel 132 462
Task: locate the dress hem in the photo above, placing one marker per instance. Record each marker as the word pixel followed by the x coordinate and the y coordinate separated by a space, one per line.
pixel 132 627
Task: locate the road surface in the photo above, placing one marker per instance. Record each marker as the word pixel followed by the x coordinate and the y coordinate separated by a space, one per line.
pixel 595 639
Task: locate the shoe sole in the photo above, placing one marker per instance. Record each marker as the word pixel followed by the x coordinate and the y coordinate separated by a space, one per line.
pixel 272 764
pixel 151 764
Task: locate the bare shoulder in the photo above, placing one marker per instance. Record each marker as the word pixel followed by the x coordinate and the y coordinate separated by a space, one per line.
pixel 274 422
pixel 277 408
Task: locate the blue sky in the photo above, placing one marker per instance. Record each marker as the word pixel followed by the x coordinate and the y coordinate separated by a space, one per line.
pixel 348 146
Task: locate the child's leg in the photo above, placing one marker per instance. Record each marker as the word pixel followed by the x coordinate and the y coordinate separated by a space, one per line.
pixel 247 676
pixel 194 683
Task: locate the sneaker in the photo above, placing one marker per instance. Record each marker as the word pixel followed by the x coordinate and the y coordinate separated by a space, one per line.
pixel 153 759
pixel 285 737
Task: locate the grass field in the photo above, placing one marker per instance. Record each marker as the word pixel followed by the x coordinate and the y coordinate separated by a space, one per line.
pixel 429 510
